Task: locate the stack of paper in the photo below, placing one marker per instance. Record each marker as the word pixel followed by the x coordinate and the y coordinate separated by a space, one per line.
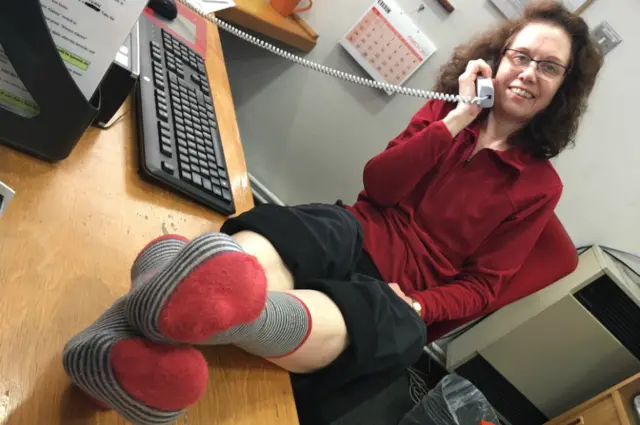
pixel 87 33
pixel 210 6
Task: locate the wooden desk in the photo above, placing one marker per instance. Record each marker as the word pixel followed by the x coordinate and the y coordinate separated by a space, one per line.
pixel 612 407
pixel 259 16
pixel 67 242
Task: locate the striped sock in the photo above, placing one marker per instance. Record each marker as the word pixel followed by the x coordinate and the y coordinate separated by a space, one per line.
pixel 210 286
pixel 154 256
pixel 147 383
pixel 283 326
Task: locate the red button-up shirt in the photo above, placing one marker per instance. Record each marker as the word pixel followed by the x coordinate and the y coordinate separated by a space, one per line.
pixel 452 230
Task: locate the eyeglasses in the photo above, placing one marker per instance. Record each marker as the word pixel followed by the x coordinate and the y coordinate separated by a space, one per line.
pixel 545 68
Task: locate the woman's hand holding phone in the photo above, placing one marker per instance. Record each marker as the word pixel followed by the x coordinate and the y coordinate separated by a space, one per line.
pixel 465 113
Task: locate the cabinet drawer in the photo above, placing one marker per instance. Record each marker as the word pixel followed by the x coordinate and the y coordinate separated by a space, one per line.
pixel 602 413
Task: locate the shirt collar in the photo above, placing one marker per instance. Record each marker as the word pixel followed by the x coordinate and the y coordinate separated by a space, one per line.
pixel 515 157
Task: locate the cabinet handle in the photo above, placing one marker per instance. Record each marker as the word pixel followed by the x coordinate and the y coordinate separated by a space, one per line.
pixel 575 421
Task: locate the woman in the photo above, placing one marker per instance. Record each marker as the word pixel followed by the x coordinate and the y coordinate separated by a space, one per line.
pixel 342 296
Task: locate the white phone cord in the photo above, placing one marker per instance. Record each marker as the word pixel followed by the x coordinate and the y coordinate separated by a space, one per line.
pixel 331 71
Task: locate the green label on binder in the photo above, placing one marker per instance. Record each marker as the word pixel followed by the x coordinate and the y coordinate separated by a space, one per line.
pixel 73 59
pixel 19 103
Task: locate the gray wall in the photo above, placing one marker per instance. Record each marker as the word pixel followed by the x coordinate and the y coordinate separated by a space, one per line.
pixel 308 136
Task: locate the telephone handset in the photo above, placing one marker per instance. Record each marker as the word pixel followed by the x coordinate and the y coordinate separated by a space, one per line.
pixel 484 92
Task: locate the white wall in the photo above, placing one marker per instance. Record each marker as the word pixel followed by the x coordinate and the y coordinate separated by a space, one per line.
pixel 601 201
pixel 297 124
pixel 307 136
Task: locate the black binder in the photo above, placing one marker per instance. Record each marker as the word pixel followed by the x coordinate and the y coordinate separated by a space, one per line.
pixel 65 114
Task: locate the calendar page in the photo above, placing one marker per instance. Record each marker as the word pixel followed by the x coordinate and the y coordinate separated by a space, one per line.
pixel 387 44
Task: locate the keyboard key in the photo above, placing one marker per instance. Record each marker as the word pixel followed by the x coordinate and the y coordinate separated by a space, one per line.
pixel 165 140
pixel 210 151
pixel 203 163
pixel 179 120
pixel 208 142
pixel 226 195
pixel 198 128
pixel 193 152
pixel 159 84
pixel 200 148
pixel 190 137
pixel 207 185
pixel 217 191
pixel 224 184
pixel 156 57
pixel 165 133
pixel 163 126
pixel 197 179
pixel 182 142
pixel 181 135
pixel 214 173
pixel 195 169
pixel 180 127
pixel 186 176
pixel 163 115
pixel 205 173
pixel 166 149
pixel 222 173
pixel 168 167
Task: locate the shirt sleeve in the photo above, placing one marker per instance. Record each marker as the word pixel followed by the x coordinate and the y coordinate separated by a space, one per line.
pixel 391 175
pixel 497 260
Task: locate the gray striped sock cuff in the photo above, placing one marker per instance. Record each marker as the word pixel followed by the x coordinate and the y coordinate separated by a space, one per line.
pixel 281 329
pixel 86 359
pixel 155 255
pixel 146 301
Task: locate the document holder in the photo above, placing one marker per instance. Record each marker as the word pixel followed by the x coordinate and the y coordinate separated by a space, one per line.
pixel 64 111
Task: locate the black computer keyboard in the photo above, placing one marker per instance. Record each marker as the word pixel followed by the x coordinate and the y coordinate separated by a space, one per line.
pixel 178 133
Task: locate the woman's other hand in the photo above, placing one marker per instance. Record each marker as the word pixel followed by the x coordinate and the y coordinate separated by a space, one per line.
pixel 396 288
pixel 465 113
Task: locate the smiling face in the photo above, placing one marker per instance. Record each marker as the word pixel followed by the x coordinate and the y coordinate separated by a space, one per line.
pixel 523 91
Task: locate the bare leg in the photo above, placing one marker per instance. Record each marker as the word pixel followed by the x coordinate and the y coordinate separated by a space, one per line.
pixel 279 277
pixel 328 337
pixel 327 340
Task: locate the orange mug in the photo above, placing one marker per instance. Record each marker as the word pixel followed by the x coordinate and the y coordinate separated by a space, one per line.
pixel 288 7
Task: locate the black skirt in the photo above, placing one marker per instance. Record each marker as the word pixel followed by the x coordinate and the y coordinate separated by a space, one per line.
pixel 322 247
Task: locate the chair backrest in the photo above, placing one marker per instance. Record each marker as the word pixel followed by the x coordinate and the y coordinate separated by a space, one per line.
pixel 553 257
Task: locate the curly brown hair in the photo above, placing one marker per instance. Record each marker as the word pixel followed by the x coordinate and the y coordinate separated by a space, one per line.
pixel 553 128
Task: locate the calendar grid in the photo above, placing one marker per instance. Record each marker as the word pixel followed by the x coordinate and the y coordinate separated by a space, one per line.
pixel 384 48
